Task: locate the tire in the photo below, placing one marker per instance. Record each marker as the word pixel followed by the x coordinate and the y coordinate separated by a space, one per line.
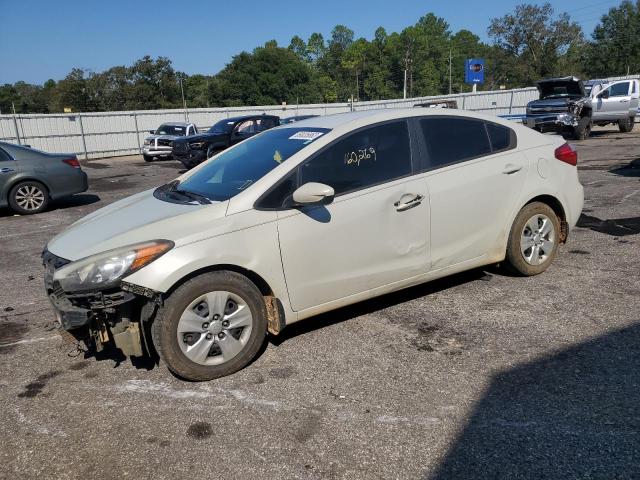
pixel 626 125
pixel 522 231
pixel 147 158
pixel 583 130
pixel 196 351
pixel 27 198
pixel 211 151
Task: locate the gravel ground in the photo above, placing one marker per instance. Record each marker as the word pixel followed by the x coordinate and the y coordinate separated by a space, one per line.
pixel 480 375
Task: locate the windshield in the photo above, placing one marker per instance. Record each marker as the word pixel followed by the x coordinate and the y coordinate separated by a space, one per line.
pixel 238 168
pixel 173 130
pixel 223 126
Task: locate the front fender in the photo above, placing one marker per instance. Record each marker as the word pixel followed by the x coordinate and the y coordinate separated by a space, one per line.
pixel 255 249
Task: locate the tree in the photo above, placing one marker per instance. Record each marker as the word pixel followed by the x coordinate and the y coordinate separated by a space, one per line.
pixel 615 49
pixel 536 41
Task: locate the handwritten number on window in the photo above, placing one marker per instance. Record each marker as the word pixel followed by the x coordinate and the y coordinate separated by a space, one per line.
pixel 355 157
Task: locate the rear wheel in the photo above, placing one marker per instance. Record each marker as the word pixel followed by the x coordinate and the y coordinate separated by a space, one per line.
pixel 29 197
pixel 534 238
pixel 211 326
pixel 626 124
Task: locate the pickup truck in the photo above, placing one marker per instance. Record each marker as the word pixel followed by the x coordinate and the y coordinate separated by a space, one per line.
pixel 566 106
pixel 158 145
pixel 615 103
pixel 195 149
pixel 563 107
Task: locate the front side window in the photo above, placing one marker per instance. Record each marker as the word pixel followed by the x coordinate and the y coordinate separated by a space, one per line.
pixel 248 126
pixel 365 158
pixel 236 169
pixel 4 156
pixel 619 89
pixel 454 139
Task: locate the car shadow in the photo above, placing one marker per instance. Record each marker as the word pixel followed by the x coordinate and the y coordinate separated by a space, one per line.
pixel 379 303
pixel 570 414
pixel 632 169
pixel 618 227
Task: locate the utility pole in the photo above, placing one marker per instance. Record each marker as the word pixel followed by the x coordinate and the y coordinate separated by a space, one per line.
pixel 357 86
pixel 449 70
pixel 184 102
pixel 404 92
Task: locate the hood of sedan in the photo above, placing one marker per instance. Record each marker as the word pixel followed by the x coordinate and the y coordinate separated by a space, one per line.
pixel 138 218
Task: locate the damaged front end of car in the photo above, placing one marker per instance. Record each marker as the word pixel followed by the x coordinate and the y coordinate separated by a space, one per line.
pixel 95 306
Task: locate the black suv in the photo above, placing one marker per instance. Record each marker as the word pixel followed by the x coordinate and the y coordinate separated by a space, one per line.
pixel 195 149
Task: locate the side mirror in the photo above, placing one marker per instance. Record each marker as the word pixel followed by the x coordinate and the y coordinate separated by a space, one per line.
pixel 152 132
pixel 605 94
pixel 313 193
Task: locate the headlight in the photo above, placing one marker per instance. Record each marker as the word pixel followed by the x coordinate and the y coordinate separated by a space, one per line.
pixel 107 268
pixel 147 142
pixel 197 144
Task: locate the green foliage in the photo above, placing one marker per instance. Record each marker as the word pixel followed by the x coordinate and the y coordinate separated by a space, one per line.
pixel 528 43
pixel 615 49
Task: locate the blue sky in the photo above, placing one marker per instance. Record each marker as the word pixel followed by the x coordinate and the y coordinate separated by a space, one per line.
pixel 45 39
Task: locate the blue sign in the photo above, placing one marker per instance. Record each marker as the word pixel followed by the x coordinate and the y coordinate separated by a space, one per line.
pixel 474 70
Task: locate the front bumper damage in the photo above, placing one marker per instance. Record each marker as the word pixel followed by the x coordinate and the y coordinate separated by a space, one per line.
pixel 552 121
pixel 117 317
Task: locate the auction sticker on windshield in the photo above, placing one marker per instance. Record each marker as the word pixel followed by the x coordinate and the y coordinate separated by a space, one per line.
pixel 305 135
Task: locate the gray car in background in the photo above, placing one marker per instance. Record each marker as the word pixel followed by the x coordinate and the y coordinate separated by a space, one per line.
pixel 29 178
pixel 158 145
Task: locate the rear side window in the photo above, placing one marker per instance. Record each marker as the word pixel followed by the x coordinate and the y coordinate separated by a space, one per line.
pixel 452 139
pixel 365 158
pixel 501 137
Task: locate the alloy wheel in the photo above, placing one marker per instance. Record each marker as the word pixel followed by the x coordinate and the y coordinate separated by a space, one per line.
pixel 29 197
pixel 538 239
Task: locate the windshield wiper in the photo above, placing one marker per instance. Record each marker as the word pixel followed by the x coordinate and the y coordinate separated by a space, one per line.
pixel 201 199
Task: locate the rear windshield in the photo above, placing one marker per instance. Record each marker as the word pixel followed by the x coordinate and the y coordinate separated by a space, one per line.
pixel 238 168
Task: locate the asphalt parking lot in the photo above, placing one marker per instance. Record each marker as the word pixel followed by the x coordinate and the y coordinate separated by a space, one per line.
pixel 480 375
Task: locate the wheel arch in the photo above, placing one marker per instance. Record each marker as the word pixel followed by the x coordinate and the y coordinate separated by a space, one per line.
pixel 255 278
pixel 555 204
pixel 28 178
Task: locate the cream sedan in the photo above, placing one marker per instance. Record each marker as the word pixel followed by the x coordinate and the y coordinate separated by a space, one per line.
pixel 304 219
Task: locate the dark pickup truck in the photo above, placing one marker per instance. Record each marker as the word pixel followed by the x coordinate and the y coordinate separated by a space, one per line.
pixel 195 149
pixel 563 107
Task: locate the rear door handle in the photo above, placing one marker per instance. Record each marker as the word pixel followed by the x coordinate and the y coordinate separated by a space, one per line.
pixel 408 201
pixel 6 170
pixel 510 168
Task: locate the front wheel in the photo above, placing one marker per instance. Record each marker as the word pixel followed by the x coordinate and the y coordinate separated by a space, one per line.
pixel 583 130
pixel 211 326
pixel 147 158
pixel 533 241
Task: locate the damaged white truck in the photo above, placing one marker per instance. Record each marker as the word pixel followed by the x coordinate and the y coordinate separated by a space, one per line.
pixel 565 107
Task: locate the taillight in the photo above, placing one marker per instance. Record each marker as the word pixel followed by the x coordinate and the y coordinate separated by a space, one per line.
pixel 72 161
pixel 566 153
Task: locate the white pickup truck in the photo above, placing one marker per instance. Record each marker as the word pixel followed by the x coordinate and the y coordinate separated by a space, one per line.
pixel 614 102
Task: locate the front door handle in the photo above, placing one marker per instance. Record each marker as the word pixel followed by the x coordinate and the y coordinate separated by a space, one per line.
pixel 6 170
pixel 510 168
pixel 408 201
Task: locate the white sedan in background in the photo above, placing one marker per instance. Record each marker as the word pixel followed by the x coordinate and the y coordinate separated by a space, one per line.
pixel 306 218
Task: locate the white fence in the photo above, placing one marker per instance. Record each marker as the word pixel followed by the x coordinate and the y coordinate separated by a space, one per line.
pixel 106 134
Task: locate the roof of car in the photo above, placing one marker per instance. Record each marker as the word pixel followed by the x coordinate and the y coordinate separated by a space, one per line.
pixel 380 115
pixel 177 124
pixel 246 117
